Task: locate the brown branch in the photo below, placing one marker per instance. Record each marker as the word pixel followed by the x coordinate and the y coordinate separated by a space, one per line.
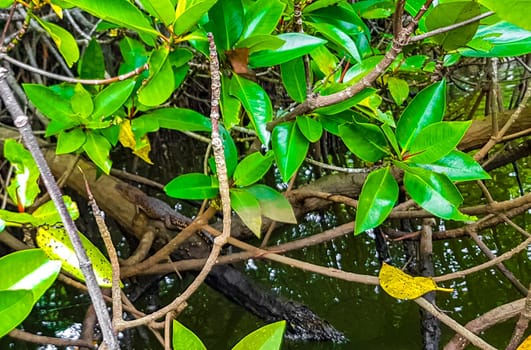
pixel 40 339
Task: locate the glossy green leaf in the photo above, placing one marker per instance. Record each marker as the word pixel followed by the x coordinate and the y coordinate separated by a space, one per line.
pixel 501 39
pixel 262 17
pixel 247 208
pixel 192 186
pixel 346 104
pixel 81 101
pixel 341 16
pixel 391 137
pixel 365 140
pixel 257 104
pixel 47 214
pixel 70 141
pixel 290 147
pixel 134 56
pixel 161 82
pixel 374 9
pixel 252 168
pixel 64 41
pixel 230 151
pixel 24 185
pixel 295 45
pixel 160 9
pixel 319 5
pixel 435 193
pixel 180 119
pixel 293 76
pixel 183 338
pixel 118 12
pixel 5 4
pixel 260 42
pixel 54 241
pixel 446 14
pixel 338 37
pixel 30 270
pixel 230 106
pixel 437 140
pixel 180 56
pixel 515 11
pixel 399 89
pixel 51 104
pixel 310 128
pixel 92 65
pixel 325 62
pixel 110 99
pixel 273 204
pixel 457 166
pixel 188 13
pixel 15 306
pixel 268 337
pixel 426 108
pixel 413 63
pixel 11 218
pixel 97 148
pixel 226 22
pixel 378 196
pixel 360 70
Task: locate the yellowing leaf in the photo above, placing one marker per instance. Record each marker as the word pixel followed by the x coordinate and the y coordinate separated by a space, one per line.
pixel 54 241
pixel 127 139
pixel 400 285
pixel 526 345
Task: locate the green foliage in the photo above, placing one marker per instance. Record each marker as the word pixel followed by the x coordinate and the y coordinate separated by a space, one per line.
pixel 517 12
pixel 24 187
pixel 26 275
pixel 183 338
pixel 290 147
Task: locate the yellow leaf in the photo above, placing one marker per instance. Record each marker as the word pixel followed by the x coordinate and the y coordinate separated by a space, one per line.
pixel 58 10
pixel 400 285
pixel 526 345
pixel 54 241
pixel 127 139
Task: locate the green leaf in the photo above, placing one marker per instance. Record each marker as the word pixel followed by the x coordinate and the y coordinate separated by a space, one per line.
pixel 47 213
pixel 262 17
pixel 444 15
pixel 435 193
pixel 134 56
pixel 81 101
pixel 24 186
pixel 319 5
pixel 457 166
pixel 294 79
pixel 399 89
pixel 30 270
pixel 70 141
pixel 515 11
pixel 365 140
pixel 501 39
pixel 54 241
pixel 377 198
pixel 230 151
pixel 437 140
pixel 161 83
pixel 374 9
pixel 160 9
pixel 183 338
pixel 92 65
pixel 268 337
pixel 97 148
pixel 226 22
pixel 230 106
pixel 310 128
pixel 11 218
pixel 64 41
pixel 346 104
pixel 15 306
pixel 192 186
pixel 290 147
pixel 260 42
pixel 118 12
pixel 110 99
pixel 273 204
pixel 360 70
pixel 247 208
pixel 252 168
pixel 180 119
pixel 295 45
pixel 51 104
pixel 391 138
pixel 188 13
pixel 325 62
pixel 426 108
pixel 257 104
pixel 338 37
pixel 3 5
